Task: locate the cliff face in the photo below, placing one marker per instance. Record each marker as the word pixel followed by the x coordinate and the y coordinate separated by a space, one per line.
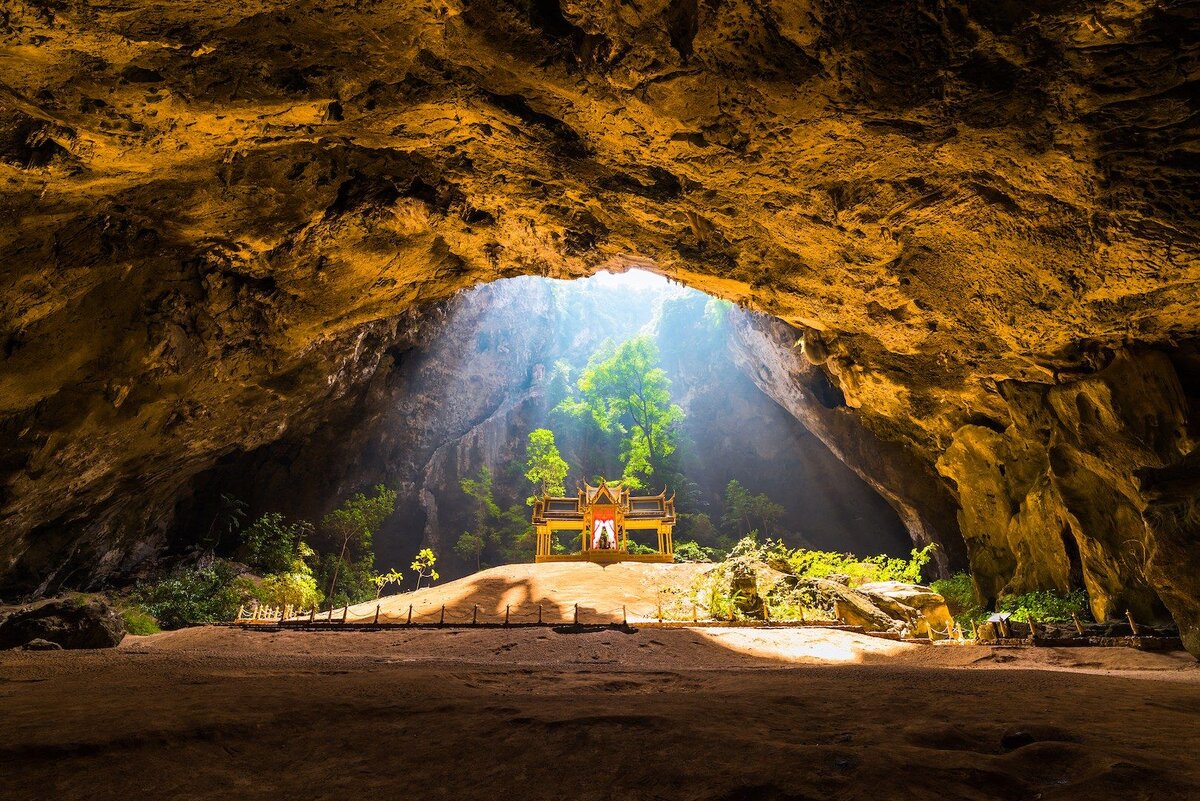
pixel 978 214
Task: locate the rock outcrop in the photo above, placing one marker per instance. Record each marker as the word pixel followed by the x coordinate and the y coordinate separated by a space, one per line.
pixel 978 218
pixel 63 622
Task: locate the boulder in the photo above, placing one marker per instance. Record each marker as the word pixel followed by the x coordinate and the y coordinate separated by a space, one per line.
pixel 67 622
pixel 918 606
pixel 41 645
pixel 908 609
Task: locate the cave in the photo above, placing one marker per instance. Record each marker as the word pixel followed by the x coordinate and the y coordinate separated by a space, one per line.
pixel 250 250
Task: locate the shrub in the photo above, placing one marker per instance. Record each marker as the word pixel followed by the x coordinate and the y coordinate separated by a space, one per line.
pixel 694 552
pixel 195 595
pixel 959 592
pixel 296 587
pixel 1046 606
pixel 806 563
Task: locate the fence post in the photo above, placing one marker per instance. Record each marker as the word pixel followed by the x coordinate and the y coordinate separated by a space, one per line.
pixel 539 614
pixel 345 609
pixel 377 614
pixel 241 611
pixel 695 618
pixel 1132 623
pixel 660 610
pixel 576 614
pixel 475 615
pixel 410 614
pixel 329 619
pixel 442 619
pixel 312 615
pixel 766 611
pixel 1078 625
pixel 624 617
pixel 506 608
pixel 1032 630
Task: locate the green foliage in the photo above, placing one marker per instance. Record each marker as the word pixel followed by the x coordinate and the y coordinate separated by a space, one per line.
pixel 381 580
pixel 723 604
pixel 469 547
pixel 424 563
pixel 481 489
pixel 270 544
pixel 959 592
pixel 688 551
pixel 806 563
pixel 350 529
pixel 195 595
pixel 138 620
pixel 507 530
pixel 746 512
pixel 1046 606
pixel 353 524
pixel 544 466
pixel 637 547
pixel 624 390
pixel 295 586
pixel 351 579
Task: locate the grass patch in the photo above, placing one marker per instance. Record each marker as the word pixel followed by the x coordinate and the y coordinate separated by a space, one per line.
pixel 139 621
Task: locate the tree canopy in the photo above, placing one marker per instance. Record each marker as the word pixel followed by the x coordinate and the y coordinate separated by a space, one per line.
pixel 626 391
pixel 544 466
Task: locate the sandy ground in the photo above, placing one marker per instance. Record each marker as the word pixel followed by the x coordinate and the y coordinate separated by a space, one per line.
pixel 731 714
pixel 545 713
pixel 603 593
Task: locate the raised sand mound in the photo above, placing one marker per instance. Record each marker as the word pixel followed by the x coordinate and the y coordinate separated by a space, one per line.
pixel 600 591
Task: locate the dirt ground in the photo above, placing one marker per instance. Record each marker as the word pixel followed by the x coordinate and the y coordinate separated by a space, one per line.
pixel 540 713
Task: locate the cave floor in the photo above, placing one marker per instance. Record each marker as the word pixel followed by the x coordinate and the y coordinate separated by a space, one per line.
pixel 545 714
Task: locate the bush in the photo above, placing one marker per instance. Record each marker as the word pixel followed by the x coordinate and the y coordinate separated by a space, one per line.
pixel 1046 606
pixel 694 552
pixel 195 595
pixel 959 592
pixel 806 563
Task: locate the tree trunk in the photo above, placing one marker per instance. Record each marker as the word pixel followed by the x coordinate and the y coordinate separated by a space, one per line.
pixel 336 569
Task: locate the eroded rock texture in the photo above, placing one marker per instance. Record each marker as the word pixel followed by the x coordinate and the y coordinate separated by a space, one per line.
pixel 982 217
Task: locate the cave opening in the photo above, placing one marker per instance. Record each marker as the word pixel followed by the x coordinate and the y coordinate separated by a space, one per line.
pixel 447 422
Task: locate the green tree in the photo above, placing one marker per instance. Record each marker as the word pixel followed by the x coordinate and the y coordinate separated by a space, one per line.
pixel 270 544
pixel 470 547
pixel 745 511
pixel 626 391
pixel 351 529
pixel 544 466
pixel 424 563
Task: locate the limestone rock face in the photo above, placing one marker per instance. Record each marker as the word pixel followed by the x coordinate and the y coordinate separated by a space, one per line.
pixel 978 218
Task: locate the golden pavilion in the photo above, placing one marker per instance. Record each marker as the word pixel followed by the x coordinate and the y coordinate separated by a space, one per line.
pixel 602 518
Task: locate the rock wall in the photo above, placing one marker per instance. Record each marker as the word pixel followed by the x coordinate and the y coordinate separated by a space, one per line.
pixel 214 213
